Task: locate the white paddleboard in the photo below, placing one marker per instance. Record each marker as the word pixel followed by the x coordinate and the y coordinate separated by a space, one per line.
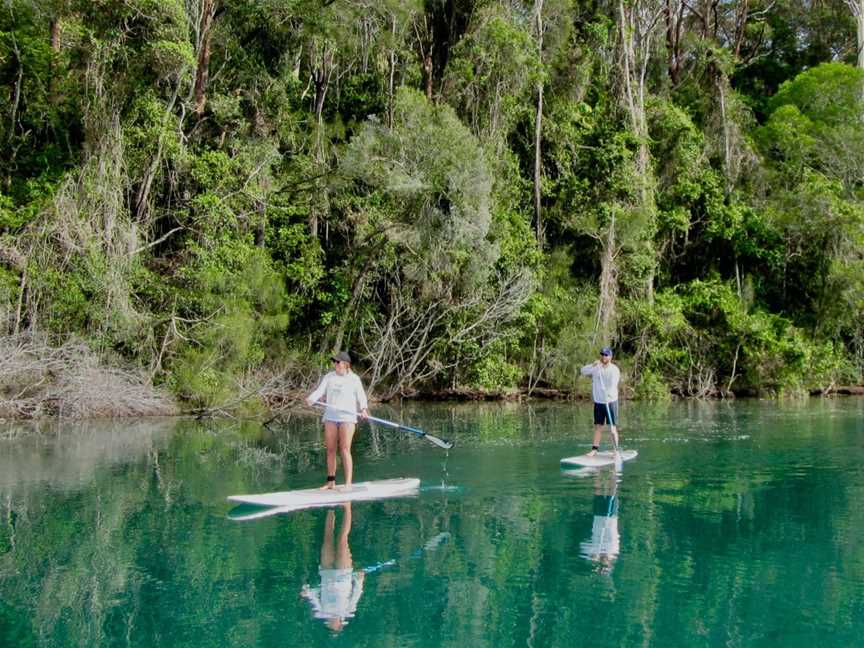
pixel 606 458
pixel 312 497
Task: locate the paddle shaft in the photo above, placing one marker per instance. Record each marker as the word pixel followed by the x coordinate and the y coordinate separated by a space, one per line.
pixel 443 443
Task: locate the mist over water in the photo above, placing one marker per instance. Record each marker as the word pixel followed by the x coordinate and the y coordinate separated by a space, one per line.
pixel 739 524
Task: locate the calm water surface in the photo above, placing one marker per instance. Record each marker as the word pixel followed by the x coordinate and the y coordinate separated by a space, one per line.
pixel 739 524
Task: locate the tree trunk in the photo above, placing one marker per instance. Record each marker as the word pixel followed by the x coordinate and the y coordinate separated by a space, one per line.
pixel 15 92
pixel 322 71
pixel 427 75
pixel 55 55
pixel 55 35
pixel 142 199
pixel 635 56
pixel 607 306
pixel 674 16
pixel 637 22
pixel 728 170
pixel 860 22
pixel 391 81
pixel 321 74
pixel 857 7
pixel 348 314
pixel 538 126
pixel 742 13
pixel 208 9
pixel 261 224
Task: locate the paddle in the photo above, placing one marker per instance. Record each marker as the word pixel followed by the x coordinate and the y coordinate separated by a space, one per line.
pixel 441 443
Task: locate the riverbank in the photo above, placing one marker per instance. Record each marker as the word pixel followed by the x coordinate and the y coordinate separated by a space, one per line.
pixel 72 381
pixel 468 394
pixel 38 380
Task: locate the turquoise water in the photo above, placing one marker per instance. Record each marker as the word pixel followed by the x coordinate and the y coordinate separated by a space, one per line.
pixel 739 524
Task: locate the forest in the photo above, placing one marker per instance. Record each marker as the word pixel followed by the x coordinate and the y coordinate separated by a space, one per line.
pixel 202 200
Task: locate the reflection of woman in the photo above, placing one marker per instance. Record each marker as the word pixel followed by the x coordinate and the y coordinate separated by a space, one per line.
pixel 341 587
pixel 604 545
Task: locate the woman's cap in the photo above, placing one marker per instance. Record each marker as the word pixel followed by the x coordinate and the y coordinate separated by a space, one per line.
pixel 342 356
pixel 606 351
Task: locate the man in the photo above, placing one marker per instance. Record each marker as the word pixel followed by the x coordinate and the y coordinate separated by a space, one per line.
pixel 604 390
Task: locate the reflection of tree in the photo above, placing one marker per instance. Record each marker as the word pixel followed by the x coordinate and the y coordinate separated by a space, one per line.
pixel 140 548
pixel 65 455
pixel 91 558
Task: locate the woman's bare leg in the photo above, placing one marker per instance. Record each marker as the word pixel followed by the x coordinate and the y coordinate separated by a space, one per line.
pixel 331 437
pixel 346 435
pixel 328 549
pixel 343 550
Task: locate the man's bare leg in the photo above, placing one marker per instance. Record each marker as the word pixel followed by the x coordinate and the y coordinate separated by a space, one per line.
pixel 598 433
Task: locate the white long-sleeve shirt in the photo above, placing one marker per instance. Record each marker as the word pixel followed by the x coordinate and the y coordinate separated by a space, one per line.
pixel 344 397
pixel 604 382
pixel 338 596
pixel 605 539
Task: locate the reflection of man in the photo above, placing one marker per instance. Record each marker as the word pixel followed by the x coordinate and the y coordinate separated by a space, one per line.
pixel 604 545
pixel 341 587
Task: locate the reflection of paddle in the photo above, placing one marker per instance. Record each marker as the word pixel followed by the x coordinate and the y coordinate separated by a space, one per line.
pixel 441 443
pixel 432 544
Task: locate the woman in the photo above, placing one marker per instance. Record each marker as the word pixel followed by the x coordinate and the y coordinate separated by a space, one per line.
pixel 343 395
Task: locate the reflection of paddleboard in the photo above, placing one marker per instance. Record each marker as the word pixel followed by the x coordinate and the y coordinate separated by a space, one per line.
pixel 313 497
pixel 606 458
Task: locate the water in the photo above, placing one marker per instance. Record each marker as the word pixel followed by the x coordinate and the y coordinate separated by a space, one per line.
pixel 739 524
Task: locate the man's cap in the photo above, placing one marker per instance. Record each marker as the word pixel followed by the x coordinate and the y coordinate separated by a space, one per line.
pixel 342 356
pixel 606 351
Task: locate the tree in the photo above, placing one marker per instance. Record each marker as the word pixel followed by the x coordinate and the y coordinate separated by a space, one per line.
pixel 437 289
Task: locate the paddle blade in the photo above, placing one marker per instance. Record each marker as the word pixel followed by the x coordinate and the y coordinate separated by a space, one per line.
pixel 441 443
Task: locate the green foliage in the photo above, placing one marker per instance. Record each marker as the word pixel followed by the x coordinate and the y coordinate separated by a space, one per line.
pixel 650 386
pixel 237 301
pixel 815 124
pixel 493 71
pixel 828 94
pixel 556 324
pixel 689 189
pixel 320 188
pixel 69 295
pixel 815 141
pixel 704 340
pixel 432 172
pixel 493 371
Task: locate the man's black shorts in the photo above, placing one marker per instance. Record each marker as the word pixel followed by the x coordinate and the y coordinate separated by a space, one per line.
pixel 601 417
